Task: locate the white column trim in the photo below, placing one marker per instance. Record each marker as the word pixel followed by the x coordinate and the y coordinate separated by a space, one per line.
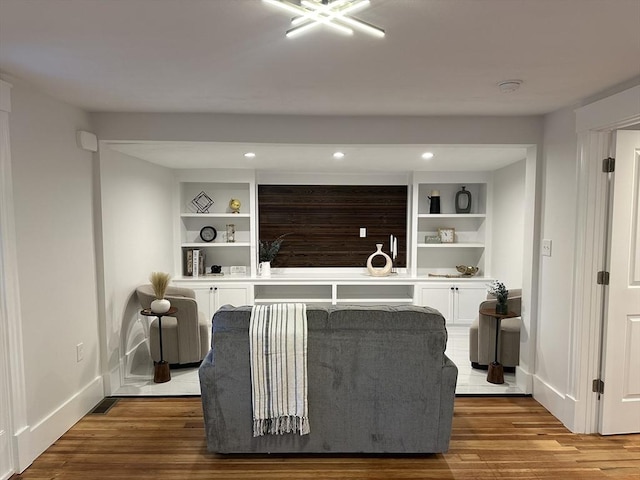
pixel 10 314
pixel 594 122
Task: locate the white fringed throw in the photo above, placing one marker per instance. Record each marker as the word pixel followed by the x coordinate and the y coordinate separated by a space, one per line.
pixel 278 347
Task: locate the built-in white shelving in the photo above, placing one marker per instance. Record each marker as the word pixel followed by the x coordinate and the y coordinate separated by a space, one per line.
pixel 471 239
pixel 224 186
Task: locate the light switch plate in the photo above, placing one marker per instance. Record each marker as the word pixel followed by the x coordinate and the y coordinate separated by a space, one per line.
pixel 546 247
pixel 363 232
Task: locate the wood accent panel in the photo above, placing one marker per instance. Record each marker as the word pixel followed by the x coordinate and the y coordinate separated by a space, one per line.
pixel 324 223
pixel 493 437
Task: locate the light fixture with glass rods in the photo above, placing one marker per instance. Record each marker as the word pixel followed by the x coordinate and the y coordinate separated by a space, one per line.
pixel 335 14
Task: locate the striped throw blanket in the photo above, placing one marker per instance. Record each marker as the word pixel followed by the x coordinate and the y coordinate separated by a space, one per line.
pixel 278 347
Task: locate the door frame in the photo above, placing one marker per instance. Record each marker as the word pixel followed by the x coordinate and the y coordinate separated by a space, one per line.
pixel 595 125
pixel 10 314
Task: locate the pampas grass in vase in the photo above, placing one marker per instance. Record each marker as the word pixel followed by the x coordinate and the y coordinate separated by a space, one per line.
pixel 159 282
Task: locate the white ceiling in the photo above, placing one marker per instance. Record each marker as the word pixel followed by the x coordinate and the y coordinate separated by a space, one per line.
pixel 319 158
pixel 439 57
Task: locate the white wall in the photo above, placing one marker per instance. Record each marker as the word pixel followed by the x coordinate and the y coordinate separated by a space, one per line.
pixel 551 379
pixel 137 239
pixel 507 238
pixel 318 129
pixel 53 201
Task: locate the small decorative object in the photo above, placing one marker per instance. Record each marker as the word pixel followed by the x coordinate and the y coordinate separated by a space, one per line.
pixel 447 235
pixel 202 202
pixel 238 270
pixel 393 250
pixel 467 271
pixel 498 290
pixel 379 271
pixel 208 234
pixel 234 205
pixel 463 201
pixel 231 233
pixel 216 269
pixel 432 239
pixel 159 282
pixel 434 207
pixel 264 269
pixel 267 251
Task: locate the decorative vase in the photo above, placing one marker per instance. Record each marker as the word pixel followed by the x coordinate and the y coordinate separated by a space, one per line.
pixel 160 305
pixel 463 201
pixel 434 207
pixel 502 308
pixel 379 271
pixel 264 269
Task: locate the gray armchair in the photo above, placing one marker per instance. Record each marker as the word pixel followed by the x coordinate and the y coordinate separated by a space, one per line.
pixel 185 336
pixel 482 334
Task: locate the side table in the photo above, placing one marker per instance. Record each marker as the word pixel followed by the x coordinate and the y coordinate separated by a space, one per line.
pixel 161 373
pixel 496 370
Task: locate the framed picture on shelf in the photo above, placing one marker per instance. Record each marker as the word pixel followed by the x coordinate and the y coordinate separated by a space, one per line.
pixel 447 235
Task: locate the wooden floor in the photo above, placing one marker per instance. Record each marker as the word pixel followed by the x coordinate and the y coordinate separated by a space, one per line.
pixel 163 438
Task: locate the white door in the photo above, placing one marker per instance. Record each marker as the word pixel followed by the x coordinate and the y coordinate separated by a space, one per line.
pixel 620 408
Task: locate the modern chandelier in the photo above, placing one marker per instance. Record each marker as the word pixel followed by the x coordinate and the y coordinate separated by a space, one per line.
pixel 335 14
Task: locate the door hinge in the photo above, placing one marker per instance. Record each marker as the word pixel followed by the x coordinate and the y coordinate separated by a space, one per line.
pixel 608 165
pixel 597 386
pixel 603 278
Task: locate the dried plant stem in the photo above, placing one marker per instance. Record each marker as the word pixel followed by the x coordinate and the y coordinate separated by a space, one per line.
pixel 159 282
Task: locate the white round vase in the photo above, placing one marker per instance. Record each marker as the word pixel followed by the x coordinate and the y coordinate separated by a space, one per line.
pixel 160 305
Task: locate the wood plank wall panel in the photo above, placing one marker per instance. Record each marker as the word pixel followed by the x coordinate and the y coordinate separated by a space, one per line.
pixel 323 223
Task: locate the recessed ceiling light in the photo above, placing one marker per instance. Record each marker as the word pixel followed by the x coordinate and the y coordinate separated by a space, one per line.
pixel 338 155
pixel 427 155
pixel 250 155
pixel 509 86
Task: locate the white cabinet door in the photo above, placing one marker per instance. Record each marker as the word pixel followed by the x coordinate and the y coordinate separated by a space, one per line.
pixel 205 299
pixel 458 303
pixel 439 296
pixel 232 294
pixel 467 299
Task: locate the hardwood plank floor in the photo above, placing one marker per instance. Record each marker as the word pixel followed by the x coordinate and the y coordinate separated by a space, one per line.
pixel 493 437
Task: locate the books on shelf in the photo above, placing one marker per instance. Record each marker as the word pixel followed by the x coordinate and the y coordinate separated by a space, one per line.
pixel 194 262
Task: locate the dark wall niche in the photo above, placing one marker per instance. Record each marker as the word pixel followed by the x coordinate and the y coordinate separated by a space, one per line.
pixel 324 223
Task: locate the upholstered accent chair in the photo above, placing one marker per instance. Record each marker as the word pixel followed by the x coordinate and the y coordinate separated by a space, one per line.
pixel 185 335
pixel 482 334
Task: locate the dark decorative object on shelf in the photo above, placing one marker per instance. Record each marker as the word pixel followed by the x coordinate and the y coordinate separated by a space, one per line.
pixel 202 202
pixel 434 207
pixel 463 201
pixel 208 234
pixel 498 290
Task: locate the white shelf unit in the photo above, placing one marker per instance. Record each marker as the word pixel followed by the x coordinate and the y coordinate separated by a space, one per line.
pixel 296 293
pixel 222 187
pixel 375 294
pixel 472 239
pixel 334 293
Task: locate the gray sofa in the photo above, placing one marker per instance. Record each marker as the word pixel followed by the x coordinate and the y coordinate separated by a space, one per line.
pixel 379 382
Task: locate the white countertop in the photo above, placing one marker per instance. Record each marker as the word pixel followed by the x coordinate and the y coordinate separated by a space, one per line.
pixel 327 277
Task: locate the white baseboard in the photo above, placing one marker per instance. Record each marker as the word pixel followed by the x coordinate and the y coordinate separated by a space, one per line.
pixel 524 381
pixel 42 435
pixel 559 405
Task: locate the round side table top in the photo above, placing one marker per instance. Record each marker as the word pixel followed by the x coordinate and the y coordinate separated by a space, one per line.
pixel 148 313
pixel 491 312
